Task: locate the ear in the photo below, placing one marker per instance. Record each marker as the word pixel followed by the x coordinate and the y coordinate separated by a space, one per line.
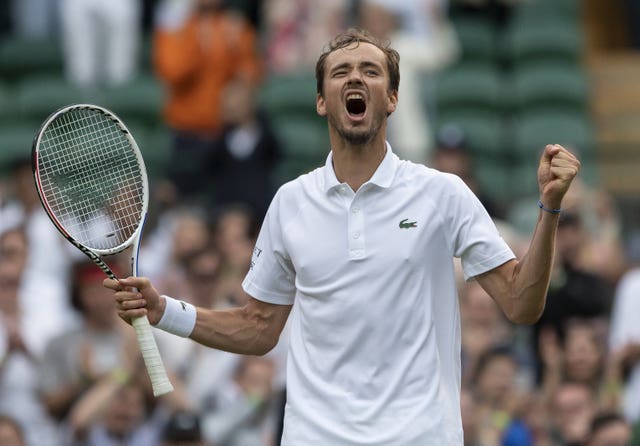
pixel 321 107
pixel 392 101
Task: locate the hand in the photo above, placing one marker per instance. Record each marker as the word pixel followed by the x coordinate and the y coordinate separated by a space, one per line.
pixel 558 167
pixel 132 304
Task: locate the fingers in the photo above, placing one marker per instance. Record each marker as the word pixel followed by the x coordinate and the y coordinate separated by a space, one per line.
pixel 130 304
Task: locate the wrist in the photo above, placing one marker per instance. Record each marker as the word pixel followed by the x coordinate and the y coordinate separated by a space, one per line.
pixel 549 207
pixel 178 317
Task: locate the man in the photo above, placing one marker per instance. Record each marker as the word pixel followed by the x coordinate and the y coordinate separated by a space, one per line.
pixel 364 246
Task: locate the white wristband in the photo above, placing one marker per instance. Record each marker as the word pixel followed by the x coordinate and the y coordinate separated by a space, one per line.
pixel 179 317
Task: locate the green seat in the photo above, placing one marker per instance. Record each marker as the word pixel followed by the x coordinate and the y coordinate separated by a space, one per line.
pixel 155 146
pixel 15 143
pixel 39 96
pixel 477 38
pixel 289 95
pixel 20 57
pixel 550 86
pixel 305 145
pixel 532 131
pixel 545 41
pixel 493 176
pixel 534 11
pixel 469 86
pixel 140 100
pixel 484 132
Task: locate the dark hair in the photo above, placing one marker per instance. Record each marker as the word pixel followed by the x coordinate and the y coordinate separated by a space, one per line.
pixel 183 426
pixel 605 419
pixel 357 36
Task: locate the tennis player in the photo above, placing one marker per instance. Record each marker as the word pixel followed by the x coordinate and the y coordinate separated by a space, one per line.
pixel 363 250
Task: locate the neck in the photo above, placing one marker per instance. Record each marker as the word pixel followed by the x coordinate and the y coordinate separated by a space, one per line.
pixel 356 164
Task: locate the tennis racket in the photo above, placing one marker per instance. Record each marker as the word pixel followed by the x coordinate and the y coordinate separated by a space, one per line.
pixel 92 183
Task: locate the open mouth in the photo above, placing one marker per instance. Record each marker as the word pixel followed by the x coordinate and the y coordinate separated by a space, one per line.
pixel 356 106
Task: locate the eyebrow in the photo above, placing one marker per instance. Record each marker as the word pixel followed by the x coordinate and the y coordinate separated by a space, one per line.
pixel 364 64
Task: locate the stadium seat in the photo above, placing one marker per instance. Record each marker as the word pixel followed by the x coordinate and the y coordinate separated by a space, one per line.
pixel 533 130
pixel 467 86
pixel 545 41
pixel 20 57
pixel 484 132
pixel 550 86
pixel 39 96
pixel 140 99
pixel 477 38
pixel 15 143
pixel 289 95
pixel 493 176
pixel 305 145
pixel 533 11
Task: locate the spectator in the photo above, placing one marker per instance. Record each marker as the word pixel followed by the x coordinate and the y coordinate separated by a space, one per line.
pixel 572 410
pixel 246 154
pixel 451 154
pixel 294 31
pixel 422 34
pixel 113 412
pixel 483 327
pixel 181 233
pixel 244 412
pixel 197 51
pixel 19 352
pixel 43 280
pixel 77 358
pixel 11 432
pixel 101 41
pixel 499 400
pixel 609 429
pixel 573 292
pixel 624 335
pixel 183 429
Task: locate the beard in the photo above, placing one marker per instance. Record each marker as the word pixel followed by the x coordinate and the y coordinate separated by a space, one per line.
pixel 357 136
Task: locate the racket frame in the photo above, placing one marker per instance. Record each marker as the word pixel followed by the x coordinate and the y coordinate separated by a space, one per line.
pixel 157 373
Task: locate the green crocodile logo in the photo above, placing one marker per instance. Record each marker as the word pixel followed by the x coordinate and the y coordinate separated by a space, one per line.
pixel 404 224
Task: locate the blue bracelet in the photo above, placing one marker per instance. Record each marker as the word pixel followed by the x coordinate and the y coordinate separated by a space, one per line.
pixel 551 211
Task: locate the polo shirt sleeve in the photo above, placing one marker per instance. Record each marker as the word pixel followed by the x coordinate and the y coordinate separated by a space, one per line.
pixel 476 239
pixel 271 276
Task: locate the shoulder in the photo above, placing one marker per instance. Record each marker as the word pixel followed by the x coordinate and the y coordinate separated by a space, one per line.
pixel 436 182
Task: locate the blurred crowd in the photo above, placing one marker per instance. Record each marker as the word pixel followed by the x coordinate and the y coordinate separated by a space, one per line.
pixel 70 370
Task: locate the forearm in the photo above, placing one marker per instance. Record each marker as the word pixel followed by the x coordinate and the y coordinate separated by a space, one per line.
pixel 234 330
pixel 531 275
pixel 253 329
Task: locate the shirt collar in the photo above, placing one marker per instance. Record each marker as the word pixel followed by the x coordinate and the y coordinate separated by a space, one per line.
pixel 382 177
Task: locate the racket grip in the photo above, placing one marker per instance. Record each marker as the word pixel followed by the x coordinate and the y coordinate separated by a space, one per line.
pixel 152 360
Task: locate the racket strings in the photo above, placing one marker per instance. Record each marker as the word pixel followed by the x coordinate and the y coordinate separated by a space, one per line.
pixel 91 178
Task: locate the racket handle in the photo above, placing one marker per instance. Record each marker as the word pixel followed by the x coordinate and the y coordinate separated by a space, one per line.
pixel 152 360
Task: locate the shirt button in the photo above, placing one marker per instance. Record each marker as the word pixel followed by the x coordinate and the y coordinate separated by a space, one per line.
pixel 356 235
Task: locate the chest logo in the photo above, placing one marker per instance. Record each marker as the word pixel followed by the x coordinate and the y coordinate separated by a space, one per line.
pixel 404 224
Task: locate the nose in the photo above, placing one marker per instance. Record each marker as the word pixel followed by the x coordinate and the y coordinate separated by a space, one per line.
pixel 355 76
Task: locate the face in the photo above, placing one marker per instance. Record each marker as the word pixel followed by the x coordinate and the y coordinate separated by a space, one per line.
pixel 125 411
pixel 614 434
pixel 356 98
pixel 582 355
pixel 497 379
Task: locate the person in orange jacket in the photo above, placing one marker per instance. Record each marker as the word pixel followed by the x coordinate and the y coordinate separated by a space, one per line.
pixel 198 49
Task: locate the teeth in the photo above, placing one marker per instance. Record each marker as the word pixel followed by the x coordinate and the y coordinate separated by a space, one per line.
pixel 355 96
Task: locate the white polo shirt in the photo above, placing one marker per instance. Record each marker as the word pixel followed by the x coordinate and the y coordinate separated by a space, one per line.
pixel 374 354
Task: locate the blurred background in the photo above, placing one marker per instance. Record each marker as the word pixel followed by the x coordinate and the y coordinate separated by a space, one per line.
pixel 220 96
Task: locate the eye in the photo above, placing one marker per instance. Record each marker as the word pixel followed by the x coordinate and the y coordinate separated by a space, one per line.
pixel 371 73
pixel 340 73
